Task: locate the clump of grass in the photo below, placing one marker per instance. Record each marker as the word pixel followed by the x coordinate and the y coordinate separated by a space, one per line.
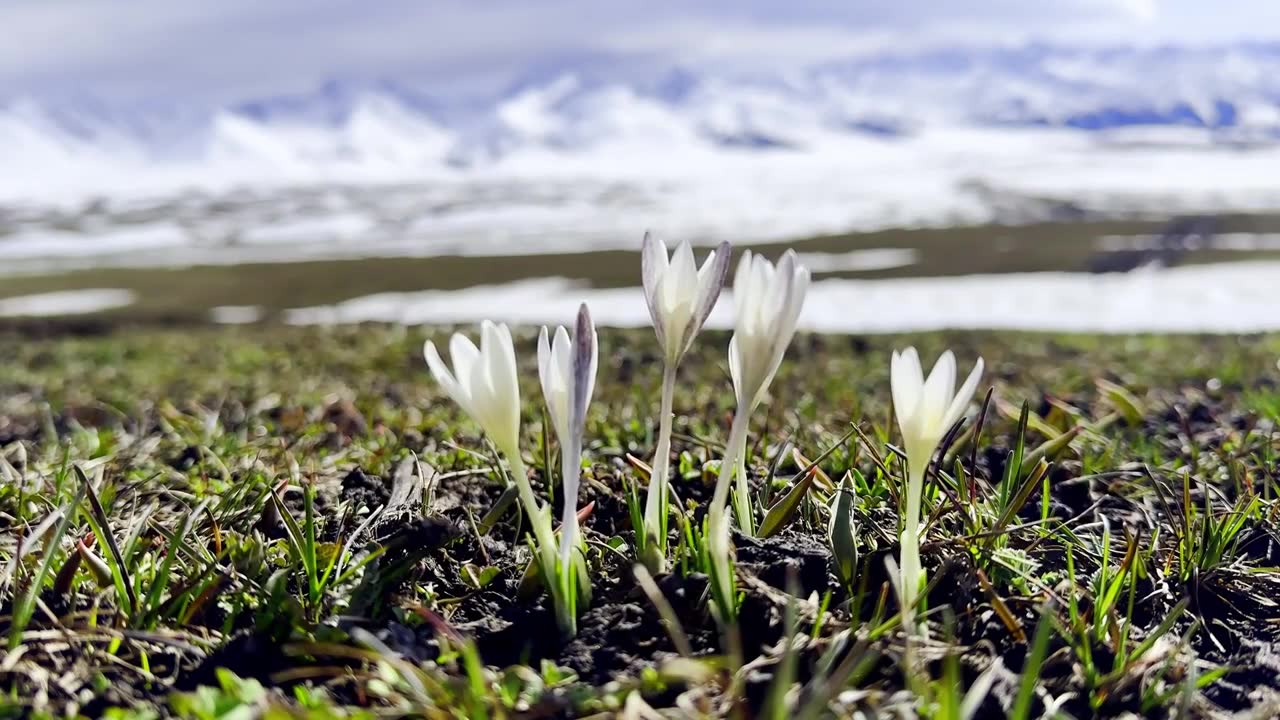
pixel 181 501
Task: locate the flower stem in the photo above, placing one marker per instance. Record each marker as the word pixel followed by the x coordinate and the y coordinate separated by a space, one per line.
pixel 559 580
pixel 542 534
pixel 655 510
pixel 718 523
pixel 728 464
pixel 911 571
pixel 741 494
pixel 570 476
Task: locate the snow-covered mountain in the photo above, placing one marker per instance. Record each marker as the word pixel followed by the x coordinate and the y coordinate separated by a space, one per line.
pixel 590 121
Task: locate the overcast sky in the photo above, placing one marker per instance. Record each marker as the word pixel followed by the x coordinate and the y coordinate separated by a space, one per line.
pixel 234 49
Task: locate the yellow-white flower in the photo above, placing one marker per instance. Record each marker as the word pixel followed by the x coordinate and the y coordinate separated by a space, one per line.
pixel 767 302
pixel 680 295
pixel 483 382
pixel 567 369
pixel 926 410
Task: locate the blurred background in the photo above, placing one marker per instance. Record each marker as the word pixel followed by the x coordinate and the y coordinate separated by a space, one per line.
pixel 1097 165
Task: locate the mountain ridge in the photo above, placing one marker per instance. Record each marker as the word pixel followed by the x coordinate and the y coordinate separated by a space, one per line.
pixel 1227 93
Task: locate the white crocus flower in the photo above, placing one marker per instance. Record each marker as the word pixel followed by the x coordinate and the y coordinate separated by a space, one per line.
pixel 680 296
pixel 767 302
pixel 483 382
pixel 567 369
pixel 926 410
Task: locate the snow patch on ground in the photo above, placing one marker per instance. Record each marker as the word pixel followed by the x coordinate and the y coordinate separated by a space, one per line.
pixel 536 201
pixel 235 314
pixel 1223 298
pixel 859 260
pixel 68 302
pixel 1242 242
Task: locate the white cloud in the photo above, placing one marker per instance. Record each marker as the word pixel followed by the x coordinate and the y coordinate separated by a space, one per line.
pixel 1141 9
pixel 236 48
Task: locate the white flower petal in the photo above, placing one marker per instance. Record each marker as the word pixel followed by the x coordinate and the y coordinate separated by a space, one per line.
pixel 552 379
pixel 595 362
pixel 946 364
pixel 545 373
pixel 498 362
pixel 509 357
pixel 464 355
pixel 763 295
pixel 906 383
pixel 583 372
pixel 796 291
pixel 711 277
pixel 776 308
pixel 653 265
pixel 562 354
pixel 482 401
pixel 937 396
pixel 560 359
pixel 672 290
pixel 674 326
pixel 799 289
pixel 685 269
pixel 964 395
pixel 446 379
pixel 762 388
pixel 582 357
pixel 735 367
pixel 743 292
pixel 711 265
